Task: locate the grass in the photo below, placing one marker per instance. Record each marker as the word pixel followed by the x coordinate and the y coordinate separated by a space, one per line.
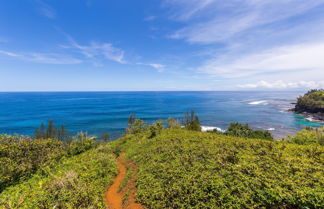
pixel 125 180
pixel 187 169
pixel 76 182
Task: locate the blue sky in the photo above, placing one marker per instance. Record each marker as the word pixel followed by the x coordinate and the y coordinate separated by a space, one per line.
pixel 122 45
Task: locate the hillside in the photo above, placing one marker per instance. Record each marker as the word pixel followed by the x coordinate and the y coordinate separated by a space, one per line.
pixel 311 102
pixel 163 168
pixel 187 169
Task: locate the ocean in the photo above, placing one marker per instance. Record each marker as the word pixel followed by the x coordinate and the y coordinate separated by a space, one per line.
pixel 99 112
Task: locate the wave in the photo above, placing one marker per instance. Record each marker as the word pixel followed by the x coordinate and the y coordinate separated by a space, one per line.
pixel 271 129
pixel 211 128
pixel 260 102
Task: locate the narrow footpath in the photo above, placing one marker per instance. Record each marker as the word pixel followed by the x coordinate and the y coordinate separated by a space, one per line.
pixel 121 194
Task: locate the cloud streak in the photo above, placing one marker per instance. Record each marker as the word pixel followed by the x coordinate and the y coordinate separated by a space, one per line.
pixel 283 85
pixel 45 58
pixel 46 10
pixel 216 20
pixel 292 58
pixel 97 50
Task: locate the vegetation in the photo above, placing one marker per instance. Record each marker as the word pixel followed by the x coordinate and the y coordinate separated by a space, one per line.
pixel 191 121
pixel 51 131
pixel 308 136
pixel 75 182
pixel 176 167
pixel 240 130
pixel 172 123
pixel 311 102
pixel 189 169
pixel 136 125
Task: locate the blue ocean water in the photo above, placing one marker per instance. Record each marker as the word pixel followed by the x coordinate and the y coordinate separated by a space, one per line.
pixel 99 112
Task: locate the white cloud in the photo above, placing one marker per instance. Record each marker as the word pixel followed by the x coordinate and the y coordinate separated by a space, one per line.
pixel 11 54
pixel 216 20
pixel 46 9
pixel 158 67
pixel 43 57
pixel 294 59
pixel 97 50
pixel 283 85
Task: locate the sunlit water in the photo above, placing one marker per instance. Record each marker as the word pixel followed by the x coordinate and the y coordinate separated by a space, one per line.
pixel 99 112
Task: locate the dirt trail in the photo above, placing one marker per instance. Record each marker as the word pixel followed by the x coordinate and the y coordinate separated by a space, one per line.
pixel 113 198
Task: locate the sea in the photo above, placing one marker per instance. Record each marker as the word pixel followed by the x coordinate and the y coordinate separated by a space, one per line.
pixel 100 112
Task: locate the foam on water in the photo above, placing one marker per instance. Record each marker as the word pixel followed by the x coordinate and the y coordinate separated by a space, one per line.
pixel 260 102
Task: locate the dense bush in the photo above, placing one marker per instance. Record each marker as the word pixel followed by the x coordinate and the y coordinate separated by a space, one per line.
pixel 240 130
pixel 189 169
pixel 76 182
pixel 172 123
pixel 22 156
pixel 308 136
pixel 311 102
pixel 136 125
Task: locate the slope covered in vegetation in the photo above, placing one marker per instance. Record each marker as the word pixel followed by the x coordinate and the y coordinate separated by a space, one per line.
pixel 311 102
pixel 48 173
pixel 188 169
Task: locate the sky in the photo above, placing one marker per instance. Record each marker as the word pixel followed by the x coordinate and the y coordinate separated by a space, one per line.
pixel 167 45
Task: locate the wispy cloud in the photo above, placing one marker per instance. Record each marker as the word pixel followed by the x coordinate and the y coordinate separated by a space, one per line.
pixel 158 67
pixel 45 9
pixel 10 54
pixel 283 85
pixel 216 20
pixel 150 18
pixel 299 58
pixel 97 50
pixel 44 58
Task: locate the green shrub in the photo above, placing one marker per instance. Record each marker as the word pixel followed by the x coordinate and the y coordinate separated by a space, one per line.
pixel 21 156
pixel 240 130
pixel 308 136
pixel 76 182
pixel 156 128
pixel 189 169
pixel 136 125
pixel 172 123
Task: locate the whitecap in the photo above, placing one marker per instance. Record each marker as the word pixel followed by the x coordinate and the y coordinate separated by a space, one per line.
pixel 271 129
pixel 260 102
pixel 211 128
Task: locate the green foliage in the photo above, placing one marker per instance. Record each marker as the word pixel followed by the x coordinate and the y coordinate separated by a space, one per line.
pixel 191 121
pixel 20 157
pixel 136 125
pixel 76 182
pixel 189 169
pixel 240 130
pixel 172 123
pixel 125 180
pixel 311 102
pixel 156 128
pixel 78 146
pixel 308 136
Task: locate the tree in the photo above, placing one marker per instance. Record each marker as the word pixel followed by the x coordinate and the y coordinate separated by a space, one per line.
pixel 191 121
pixel 156 128
pixel 136 125
pixel 105 137
pixel 173 124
